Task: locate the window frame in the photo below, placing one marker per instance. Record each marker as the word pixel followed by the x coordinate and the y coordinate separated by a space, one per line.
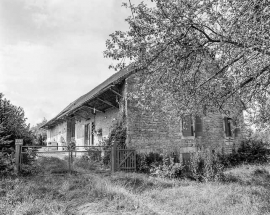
pixel 193 128
pixel 193 117
pixel 229 126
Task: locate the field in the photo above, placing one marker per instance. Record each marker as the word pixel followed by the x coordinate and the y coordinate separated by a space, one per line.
pixel 245 190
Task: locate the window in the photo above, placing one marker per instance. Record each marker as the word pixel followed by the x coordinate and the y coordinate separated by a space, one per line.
pixel 228 126
pixel 187 126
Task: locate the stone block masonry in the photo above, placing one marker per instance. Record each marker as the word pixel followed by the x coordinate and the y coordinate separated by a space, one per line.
pixel 157 130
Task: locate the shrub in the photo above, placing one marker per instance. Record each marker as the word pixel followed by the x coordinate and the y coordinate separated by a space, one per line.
pixel 29 170
pixel 168 169
pixel 158 165
pixel 205 166
pixel 94 154
pixel 118 134
pixel 85 162
pixel 106 159
pixel 7 164
pixel 145 161
pixel 28 165
pixel 250 151
pixel 29 156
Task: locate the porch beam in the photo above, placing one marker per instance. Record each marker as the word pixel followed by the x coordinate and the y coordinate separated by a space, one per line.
pixel 115 92
pixel 76 112
pixel 79 115
pixel 85 111
pixel 106 102
pixel 93 108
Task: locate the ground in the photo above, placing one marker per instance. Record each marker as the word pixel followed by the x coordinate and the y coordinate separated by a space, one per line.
pixel 246 190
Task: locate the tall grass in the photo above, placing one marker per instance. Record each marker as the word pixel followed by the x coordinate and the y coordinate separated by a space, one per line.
pixel 244 190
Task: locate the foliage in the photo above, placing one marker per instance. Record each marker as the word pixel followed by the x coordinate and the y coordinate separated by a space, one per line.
pixel 135 193
pixel 250 152
pixel 7 164
pixel 168 169
pixel 106 159
pixel 29 155
pixel 40 134
pixel 13 124
pixel 145 161
pixel 86 162
pixel 200 53
pixel 94 154
pixel 28 164
pixel 30 169
pixel 4 139
pixel 118 134
pixel 205 166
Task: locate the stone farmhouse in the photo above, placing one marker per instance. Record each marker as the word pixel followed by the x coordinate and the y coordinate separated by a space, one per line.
pixel 90 118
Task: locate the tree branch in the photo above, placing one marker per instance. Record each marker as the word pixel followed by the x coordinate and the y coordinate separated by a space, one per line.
pixel 220 71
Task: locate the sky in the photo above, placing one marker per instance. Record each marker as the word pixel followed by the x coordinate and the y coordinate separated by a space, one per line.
pixel 51 51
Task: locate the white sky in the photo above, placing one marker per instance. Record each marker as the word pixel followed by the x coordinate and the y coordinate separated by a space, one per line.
pixel 51 51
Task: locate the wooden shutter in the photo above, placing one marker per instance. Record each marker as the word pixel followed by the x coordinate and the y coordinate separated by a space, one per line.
pixel 236 130
pixel 86 128
pixel 227 124
pixel 187 126
pixel 92 132
pixel 73 127
pixel 198 126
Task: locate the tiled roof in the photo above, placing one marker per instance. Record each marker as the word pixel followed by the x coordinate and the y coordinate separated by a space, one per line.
pixel 115 78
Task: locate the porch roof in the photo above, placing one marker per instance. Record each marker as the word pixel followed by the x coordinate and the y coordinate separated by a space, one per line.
pixel 92 96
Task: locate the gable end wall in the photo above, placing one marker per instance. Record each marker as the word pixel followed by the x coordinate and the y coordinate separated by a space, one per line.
pixel 152 132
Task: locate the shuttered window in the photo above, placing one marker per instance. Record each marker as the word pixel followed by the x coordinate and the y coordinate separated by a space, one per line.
pixel 236 130
pixel 86 135
pixel 72 127
pixel 187 126
pixel 228 127
pixel 198 126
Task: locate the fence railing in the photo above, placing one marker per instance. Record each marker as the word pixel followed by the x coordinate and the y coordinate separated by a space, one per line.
pixel 119 159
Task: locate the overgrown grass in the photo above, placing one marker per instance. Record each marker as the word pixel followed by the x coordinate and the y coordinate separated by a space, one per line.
pixel 244 190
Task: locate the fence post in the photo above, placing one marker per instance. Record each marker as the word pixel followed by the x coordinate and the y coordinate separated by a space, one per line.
pixel 114 153
pixel 18 150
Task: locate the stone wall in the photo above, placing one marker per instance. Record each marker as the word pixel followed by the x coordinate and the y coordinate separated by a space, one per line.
pixel 161 131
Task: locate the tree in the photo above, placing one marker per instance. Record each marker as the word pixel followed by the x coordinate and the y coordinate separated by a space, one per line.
pixel 13 124
pixel 204 55
pixel 39 133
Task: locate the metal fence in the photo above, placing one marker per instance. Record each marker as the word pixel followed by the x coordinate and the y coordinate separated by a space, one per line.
pixel 72 159
pixel 60 160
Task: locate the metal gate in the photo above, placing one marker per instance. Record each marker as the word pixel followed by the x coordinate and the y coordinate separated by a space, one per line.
pixel 56 159
pixel 61 160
